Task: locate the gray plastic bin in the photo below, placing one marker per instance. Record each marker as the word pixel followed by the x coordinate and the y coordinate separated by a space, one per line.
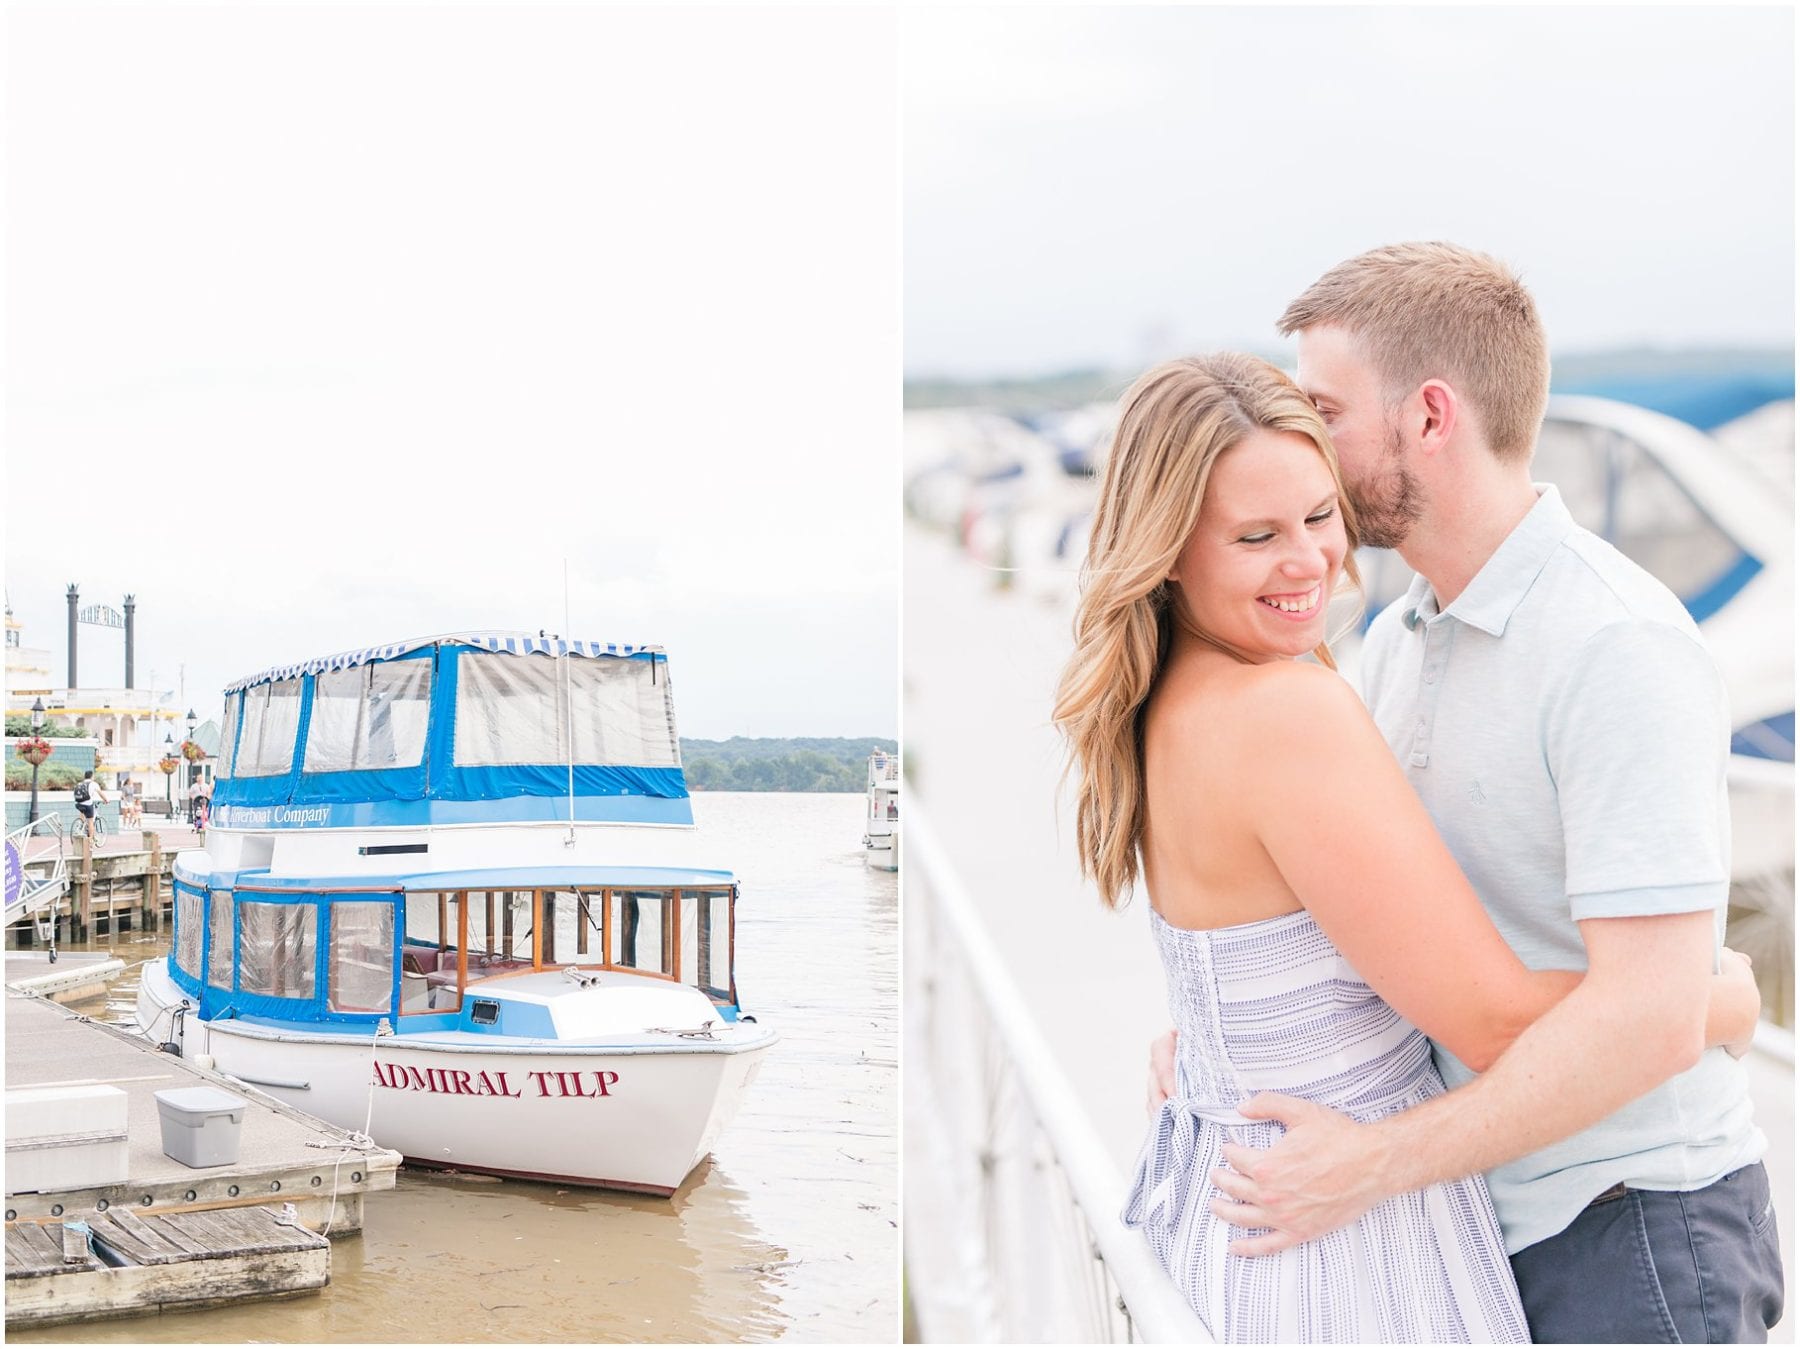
pixel 200 1125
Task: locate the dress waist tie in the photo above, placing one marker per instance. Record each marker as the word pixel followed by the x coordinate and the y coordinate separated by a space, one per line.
pixel 1166 1163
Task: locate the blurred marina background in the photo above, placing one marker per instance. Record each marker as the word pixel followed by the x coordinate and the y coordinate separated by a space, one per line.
pixel 1088 193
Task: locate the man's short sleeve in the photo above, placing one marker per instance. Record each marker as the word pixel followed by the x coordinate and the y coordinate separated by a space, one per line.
pixel 1637 742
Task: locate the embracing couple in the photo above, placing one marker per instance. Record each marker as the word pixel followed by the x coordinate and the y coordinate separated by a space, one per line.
pixel 1516 844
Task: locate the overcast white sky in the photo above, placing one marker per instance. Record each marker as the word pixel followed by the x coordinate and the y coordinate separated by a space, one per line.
pixel 333 325
pixel 1107 186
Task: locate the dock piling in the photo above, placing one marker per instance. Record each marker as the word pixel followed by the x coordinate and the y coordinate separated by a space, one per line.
pixel 81 920
pixel 151 900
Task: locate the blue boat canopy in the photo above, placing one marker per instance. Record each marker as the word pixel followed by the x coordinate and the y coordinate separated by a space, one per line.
pixel 474 878
pixel 460 729
pixel 516 643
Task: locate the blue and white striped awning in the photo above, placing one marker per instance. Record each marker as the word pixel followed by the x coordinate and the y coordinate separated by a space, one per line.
pixel 505 643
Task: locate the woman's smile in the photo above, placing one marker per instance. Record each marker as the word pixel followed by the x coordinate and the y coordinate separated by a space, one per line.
pixel 1295 607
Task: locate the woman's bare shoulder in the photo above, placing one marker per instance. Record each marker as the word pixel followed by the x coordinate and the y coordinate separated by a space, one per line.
pixel 1281 710
pixel 1289 686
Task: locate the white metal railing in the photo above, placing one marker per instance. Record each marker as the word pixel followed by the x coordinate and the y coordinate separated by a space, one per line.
pixel 41 890
pixel 1012 1200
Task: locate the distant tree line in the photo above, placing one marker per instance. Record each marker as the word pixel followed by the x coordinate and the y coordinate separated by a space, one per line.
pixel 806 764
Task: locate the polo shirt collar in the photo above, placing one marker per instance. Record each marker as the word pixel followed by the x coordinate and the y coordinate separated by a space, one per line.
pixel 1505 578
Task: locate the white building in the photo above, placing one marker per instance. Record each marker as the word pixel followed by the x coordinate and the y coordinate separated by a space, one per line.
pixel 128 725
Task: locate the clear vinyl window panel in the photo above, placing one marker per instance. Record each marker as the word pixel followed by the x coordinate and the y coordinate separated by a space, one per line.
pixel 424 910
pixel 219 927
pixel 429 960
pixel 228 733
pixel 369 716
pixel 499 928
pixel 189 916
pixel 689 943
pixel 360 971
pixel 512 710
pixel 641 939
pixel 573 927
pixel 277 949
pixel 271 721
pixel 706 940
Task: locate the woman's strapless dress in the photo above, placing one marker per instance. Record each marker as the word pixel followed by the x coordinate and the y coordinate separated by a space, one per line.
pixel 1272 1006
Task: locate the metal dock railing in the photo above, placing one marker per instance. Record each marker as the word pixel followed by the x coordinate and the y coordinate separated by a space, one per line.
pixel 45 878
pixel 1012 1199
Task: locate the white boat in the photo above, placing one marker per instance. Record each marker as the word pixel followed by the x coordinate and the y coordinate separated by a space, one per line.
pixel 452 896
pixel 881 821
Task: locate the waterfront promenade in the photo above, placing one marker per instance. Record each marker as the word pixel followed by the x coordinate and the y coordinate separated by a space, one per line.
pixel 174 838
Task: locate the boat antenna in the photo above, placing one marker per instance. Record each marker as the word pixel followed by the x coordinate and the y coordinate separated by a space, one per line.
pixel 568 707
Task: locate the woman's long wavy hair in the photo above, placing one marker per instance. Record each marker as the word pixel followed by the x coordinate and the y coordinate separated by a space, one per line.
pixel 1174 423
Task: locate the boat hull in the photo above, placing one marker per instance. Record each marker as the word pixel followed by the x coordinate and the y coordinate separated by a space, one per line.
pixel 881 853
pixel 628 1116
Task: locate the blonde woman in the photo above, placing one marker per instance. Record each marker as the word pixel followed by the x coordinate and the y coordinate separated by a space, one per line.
pixel 1310 921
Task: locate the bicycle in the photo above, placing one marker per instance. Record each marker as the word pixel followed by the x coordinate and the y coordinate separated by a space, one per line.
pixel 96 826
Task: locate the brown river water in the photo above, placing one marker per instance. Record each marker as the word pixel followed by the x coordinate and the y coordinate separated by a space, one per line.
pixel 789 1232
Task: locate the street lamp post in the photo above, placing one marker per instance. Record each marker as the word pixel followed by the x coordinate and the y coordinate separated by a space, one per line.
pixel 168 767
pixel 37 724
pixel 194 769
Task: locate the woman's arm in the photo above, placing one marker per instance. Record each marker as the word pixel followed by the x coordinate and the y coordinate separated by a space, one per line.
pixel 1353 841
pixel 1735 1006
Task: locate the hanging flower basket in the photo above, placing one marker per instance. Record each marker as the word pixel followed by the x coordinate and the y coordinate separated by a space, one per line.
pixel 169 764
pixel 191 751
pixel 35 750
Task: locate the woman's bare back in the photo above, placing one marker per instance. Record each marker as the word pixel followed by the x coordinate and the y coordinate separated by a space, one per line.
pixel 1204 863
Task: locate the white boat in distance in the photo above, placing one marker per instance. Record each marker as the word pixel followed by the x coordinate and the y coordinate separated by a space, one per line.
pixel 452 896
pixel 881 832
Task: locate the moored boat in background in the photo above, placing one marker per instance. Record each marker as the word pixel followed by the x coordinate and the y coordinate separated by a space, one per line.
pixel 881 827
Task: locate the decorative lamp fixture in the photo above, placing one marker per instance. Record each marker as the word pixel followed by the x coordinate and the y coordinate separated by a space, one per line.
pixel 34 751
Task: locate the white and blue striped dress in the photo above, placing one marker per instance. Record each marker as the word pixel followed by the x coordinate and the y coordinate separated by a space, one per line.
pixel 1272 1006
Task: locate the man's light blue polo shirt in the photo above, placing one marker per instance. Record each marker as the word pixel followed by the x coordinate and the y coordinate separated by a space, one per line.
pixel 1568 732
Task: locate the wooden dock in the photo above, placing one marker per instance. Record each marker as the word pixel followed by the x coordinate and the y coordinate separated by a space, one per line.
pixel 120 1264
pixel 175 1232
pixel 121 886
